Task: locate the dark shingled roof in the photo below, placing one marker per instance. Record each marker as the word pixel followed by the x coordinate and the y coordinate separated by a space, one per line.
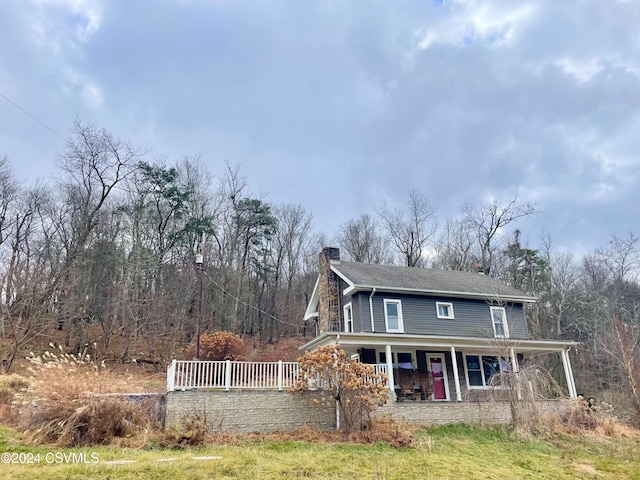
pixel 427 280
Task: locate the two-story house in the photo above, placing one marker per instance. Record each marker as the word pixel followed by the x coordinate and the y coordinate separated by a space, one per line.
pixel 438 334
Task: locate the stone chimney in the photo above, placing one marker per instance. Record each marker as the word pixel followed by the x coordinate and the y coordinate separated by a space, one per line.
pixel 328 292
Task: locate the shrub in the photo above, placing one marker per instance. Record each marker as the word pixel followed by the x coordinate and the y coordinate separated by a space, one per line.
pixel 355 387
pixel 218 346
pixel 12 388
pixel 193 433
pixel 583 417
pixel 68 404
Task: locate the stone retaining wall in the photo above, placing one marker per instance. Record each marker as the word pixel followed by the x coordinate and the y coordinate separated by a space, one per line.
pixel 251 410
pixel 269 411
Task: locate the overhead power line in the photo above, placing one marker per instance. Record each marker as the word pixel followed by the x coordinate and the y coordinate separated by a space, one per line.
pixel 246 304
pixel 33 117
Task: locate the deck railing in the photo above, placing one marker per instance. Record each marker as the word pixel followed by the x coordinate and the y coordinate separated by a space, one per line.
pixel 227 375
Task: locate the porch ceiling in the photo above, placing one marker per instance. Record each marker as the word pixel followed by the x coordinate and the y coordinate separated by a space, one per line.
pixel 530 347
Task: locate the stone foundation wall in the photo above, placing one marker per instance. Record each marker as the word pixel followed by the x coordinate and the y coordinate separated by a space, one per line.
pixel 444 413
pixel 270 411
pixel 251 410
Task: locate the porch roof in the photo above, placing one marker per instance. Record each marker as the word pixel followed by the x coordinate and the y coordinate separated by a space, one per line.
pixel 531 347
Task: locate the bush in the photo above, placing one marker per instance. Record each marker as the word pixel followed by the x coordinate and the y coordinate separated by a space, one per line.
pixel 68 404
pixel 355 387
pixel 193 433
pixel 583 417
pixel 218 346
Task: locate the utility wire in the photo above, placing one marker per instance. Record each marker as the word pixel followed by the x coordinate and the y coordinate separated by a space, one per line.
pixel 246 304
pixel 32 117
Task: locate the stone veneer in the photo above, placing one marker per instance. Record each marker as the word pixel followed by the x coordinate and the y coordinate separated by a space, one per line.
pixel 251 410
pixel 270 411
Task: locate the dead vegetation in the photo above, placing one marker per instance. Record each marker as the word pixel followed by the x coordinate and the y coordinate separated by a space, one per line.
pixel 582 417
pixel 71 401
pixel 195 433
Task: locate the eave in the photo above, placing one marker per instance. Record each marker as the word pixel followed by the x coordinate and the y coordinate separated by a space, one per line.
pixel 531 347
pixel 440 293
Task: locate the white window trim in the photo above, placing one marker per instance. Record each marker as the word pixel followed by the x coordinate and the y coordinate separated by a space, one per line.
pixel 484 385
pixel 505 326
pixel 448 304
pixel 400 328
pixel 347 307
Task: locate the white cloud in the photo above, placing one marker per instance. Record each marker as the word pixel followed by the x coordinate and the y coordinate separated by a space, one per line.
pixel 582 70
pixel 57 23
pixel 477 22
pixel 92 95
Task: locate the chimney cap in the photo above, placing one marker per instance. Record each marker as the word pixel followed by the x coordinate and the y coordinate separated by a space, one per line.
pixel 331 253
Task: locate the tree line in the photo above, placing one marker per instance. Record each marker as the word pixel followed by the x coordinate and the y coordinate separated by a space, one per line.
pixel 106 255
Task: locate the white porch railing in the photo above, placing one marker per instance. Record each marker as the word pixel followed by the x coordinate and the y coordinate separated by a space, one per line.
pixel 380 369
pixel 227 375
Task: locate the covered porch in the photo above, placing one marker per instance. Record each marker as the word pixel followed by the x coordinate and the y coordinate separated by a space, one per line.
pixel 443 368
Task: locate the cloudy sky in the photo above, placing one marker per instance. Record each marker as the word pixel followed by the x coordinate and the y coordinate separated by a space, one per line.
pixel 341 105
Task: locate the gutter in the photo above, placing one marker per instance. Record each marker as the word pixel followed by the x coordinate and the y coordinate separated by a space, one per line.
pixel 443 293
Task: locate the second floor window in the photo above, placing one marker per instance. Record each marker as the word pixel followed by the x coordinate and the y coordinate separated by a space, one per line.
pixel 444 310
pixel 393 316
pixel 499 321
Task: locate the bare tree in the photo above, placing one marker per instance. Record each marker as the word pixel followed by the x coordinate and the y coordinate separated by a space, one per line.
pixel 454 249
pixel 486 221
pixel 410 230
pixel 9 191
pixel 290 243
pixel 623 345
pixel 361 241
pixel 621 257
pixel 94 165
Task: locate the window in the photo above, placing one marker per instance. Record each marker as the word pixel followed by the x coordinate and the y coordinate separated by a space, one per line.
pixel 348 318
pixel 444 310
pixel 405 360
pixel 480 369
pixel 393 316
pixel 499 321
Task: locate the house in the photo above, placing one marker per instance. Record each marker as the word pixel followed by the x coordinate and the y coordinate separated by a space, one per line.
pixel 439 335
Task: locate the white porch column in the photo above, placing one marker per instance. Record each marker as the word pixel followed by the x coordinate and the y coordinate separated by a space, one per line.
pixel 567 372
pixel 456 377
pixel 390 380
pixel 516 371
pixel 573 380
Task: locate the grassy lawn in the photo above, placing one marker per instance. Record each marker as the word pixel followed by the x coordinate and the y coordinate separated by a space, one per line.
pixel 456 452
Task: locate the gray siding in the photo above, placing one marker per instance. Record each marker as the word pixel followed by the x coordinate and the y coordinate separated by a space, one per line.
pixel 472 318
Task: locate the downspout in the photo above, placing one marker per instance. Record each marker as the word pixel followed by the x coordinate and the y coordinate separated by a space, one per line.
pixel 373 327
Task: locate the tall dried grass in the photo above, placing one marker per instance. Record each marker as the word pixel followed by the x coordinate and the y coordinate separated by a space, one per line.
pixel 583 418
pixel 67 403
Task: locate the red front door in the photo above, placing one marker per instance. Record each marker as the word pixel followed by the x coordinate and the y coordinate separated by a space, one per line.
pixel 437 367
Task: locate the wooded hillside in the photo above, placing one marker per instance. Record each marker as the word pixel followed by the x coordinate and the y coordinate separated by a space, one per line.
pixel 103 258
